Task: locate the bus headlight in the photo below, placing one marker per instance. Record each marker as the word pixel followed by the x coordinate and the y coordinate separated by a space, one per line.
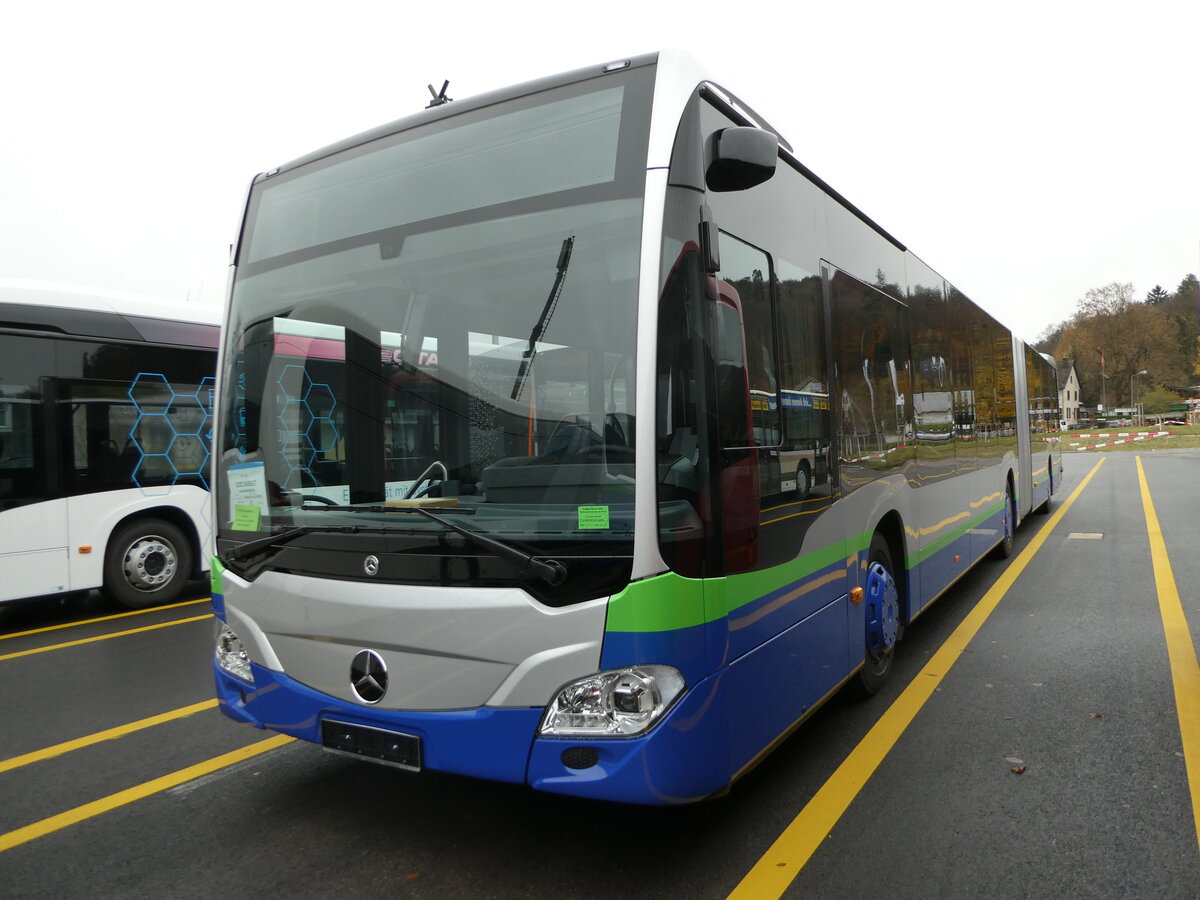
pixel 617 703
pixel 231 655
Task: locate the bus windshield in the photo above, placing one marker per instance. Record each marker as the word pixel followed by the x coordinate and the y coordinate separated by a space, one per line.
pixel 445 317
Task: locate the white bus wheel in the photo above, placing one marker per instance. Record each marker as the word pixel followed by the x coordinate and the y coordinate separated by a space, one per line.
pixel 148 563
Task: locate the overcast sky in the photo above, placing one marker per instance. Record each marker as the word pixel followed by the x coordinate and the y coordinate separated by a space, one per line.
pixel 1029 151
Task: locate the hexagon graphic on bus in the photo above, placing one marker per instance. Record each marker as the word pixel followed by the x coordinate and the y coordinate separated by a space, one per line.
pixel 173 433
pixel 236 434
pixel 206 393
pixel 306 427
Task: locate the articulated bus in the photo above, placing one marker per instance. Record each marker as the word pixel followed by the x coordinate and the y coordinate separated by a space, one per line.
pixel 105 415
pixel 578 436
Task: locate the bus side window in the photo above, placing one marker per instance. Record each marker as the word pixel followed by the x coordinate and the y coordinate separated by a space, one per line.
pixel 739 484
pixel 23 451
pixel 804 384
pixel 875 392
pixel 732 380
pixel 687 537
pixel 747 270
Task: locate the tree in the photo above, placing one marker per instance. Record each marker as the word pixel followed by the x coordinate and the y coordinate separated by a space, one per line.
pixel 1158 400
pixel 1157 295
pixel 1114 335
pixel 1048 340
pixel 1189 288
pixel 1184 308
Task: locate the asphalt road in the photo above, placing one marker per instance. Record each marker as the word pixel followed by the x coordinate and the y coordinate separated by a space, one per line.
pixel 1067 680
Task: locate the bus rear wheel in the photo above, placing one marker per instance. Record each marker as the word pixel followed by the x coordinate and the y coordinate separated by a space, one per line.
pixel 1044 509
pixel 148 563
pixel 882 613
pixel 1004 549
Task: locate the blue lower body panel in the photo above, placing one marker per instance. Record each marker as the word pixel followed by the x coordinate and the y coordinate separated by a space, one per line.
pixel 682 760
pixel 486 743
pixel 677 762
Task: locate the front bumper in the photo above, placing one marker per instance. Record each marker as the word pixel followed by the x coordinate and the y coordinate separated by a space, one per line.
pixel 661 767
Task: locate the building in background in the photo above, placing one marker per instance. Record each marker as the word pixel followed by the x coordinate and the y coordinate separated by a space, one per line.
pixel 1068 392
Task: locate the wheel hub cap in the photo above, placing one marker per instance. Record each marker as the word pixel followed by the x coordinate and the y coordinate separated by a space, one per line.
pixel 883 609
pixel 149 564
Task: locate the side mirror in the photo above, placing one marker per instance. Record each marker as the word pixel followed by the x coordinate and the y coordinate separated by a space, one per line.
pixel 740 158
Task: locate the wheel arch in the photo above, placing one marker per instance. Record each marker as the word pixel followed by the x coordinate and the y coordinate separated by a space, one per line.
pixel 1010 479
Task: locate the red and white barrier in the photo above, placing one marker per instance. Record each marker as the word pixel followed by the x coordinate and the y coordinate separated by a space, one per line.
pixel 1126 434
pixel 1142 436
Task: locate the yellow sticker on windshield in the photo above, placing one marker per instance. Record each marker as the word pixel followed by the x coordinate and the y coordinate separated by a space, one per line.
pixel 246 517
pixel 593 517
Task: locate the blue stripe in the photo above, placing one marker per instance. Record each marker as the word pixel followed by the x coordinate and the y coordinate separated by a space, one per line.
pixel 486 742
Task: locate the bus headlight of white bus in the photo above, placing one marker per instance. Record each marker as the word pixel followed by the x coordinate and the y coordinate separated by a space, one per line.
pixel 618 703
pixel 231 655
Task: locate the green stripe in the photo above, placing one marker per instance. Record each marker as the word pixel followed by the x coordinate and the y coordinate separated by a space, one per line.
pixel 668 602
pixel 671 601
pixel 216 575
pixel 662 603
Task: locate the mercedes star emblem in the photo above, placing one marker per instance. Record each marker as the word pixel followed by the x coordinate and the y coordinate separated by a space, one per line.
pixel 371 565
pixel 368 676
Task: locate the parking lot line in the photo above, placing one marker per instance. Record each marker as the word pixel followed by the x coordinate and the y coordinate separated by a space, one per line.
pixel 122 798
pixel 136 612
pixel 109 734
pixel 103 637
pixel 1185 671
pixel 784 859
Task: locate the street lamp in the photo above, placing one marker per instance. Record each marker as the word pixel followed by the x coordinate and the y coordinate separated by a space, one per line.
pixel 1132 405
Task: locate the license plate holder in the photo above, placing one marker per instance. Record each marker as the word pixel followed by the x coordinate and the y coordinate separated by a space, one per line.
pixel 393 748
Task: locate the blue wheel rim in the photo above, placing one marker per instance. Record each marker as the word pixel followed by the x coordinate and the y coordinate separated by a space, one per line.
pixel 883 609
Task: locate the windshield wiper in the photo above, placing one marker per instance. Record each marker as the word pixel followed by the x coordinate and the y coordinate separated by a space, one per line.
pixel 550 571
pixel 248 549
pixel 539 328
pixel 260 546
pixel 376 508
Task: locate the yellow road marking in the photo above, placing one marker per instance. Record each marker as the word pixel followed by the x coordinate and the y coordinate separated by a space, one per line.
pixel 783 861
pixel 146 789
pixel 136 612
pixel 104 637
pixel 110 734
pixel 1185 671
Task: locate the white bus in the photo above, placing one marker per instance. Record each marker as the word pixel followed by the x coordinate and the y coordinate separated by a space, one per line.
pixel 105 412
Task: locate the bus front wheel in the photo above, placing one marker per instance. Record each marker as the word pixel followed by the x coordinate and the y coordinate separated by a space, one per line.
pixel 148 563
pixel 881 598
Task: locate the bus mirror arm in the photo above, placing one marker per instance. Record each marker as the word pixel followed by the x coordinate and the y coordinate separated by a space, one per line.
pixel 710 250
